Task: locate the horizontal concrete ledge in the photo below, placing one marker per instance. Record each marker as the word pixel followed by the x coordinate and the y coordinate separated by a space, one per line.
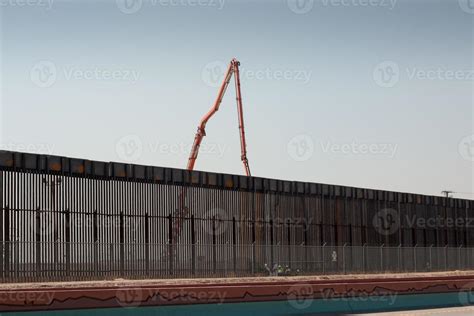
pixel 141 293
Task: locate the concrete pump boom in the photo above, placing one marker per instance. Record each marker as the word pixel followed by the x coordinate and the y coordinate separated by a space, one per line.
pixel 233 69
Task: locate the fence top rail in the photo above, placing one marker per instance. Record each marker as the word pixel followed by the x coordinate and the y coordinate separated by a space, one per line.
pixel 114 171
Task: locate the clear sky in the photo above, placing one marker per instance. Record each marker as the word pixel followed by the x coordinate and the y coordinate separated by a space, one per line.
pixel 368 93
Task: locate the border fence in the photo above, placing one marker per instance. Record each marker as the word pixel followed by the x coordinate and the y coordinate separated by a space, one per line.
pixel 64 218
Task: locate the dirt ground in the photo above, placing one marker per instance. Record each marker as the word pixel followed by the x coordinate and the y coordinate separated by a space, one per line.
pixel 217 281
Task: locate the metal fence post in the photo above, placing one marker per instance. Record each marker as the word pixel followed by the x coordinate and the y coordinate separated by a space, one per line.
pixel 234 244
pixel 38 241
pixel 147 244
pixel 399 250
pixel 253 257
pixel 193 246
pixel 6 258
pixel 122 244
pixel 446 258
pixel 414 257
pixel 381 258
pixel 2 272
pixel 431 261
pixel 68 241
pixel 96 242
pixel 344 258
pixel 459 257
pixel 363 257
pixel 170 243
pixel 324 261
pixel 214 249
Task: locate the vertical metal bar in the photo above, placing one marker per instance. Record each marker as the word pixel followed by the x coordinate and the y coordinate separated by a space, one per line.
pixel 289 243
pixel 38 241
pixel 95 234
pixel 214 252
pixel 147 244
pixel 271 244
pixel 305 243
pixel 254 254
pixel 122 241
pixel 234 244
pixel 68 242
pixel 381 258
pixel 7 242
pixel 2 271
pixel 170 243
pixel 193 246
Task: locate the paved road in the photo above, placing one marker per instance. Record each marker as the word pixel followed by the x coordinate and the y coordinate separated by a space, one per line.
pixel 454 311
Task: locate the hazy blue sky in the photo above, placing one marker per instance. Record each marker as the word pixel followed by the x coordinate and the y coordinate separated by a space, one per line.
pixel 369 93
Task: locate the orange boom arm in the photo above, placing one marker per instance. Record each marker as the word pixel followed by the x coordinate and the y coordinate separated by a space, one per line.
pixel 233 69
